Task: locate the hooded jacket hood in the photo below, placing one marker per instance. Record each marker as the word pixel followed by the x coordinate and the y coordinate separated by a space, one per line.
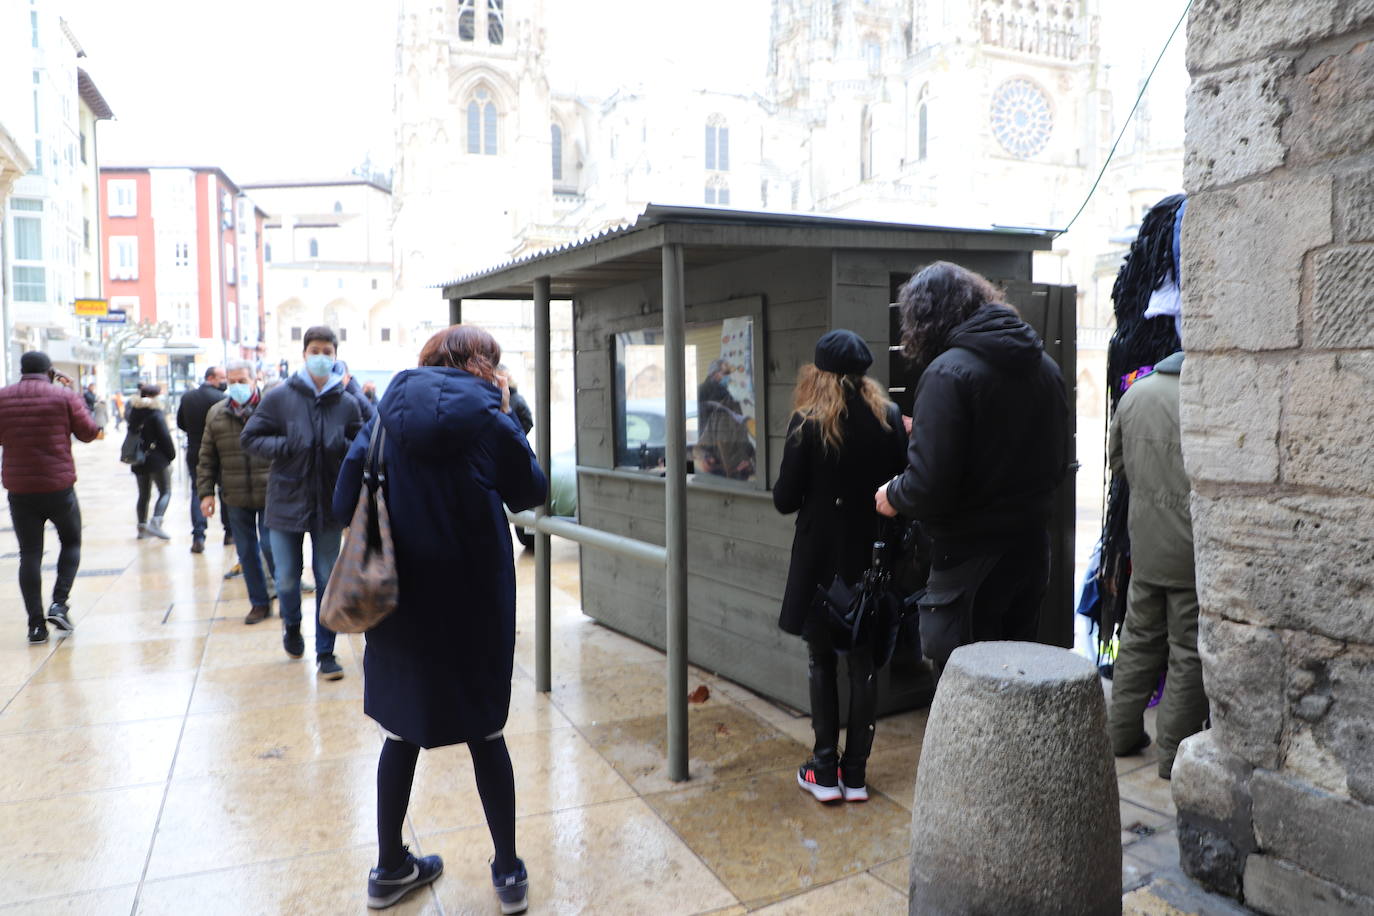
pixel 438 411
pixel 1000 336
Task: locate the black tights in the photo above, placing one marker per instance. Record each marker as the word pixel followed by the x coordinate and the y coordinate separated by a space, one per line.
pixel 495 785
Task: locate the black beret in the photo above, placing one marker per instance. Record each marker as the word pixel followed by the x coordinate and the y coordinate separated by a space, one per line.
pixel 844 352
pixel 34 362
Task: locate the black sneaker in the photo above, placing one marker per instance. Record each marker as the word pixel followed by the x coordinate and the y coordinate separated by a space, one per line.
pixel 823 782
pixel 38 634
pixel 387 887
pixel 59 615
pixel 291 640
pixel 330 669
pixel 228 539
pixel 513 890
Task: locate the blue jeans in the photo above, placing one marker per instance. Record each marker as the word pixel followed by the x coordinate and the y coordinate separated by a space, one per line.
pixel 249 527
pixel 288 553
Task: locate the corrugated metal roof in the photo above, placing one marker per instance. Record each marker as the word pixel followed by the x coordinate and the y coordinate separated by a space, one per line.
pixel 773 225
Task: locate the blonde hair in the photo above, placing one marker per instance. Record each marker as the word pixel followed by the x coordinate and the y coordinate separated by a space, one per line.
pixel 823 398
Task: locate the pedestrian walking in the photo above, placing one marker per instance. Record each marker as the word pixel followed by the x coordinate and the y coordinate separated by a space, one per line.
pixel 37 421
pixel 241 479
pixel 89 396
pixel 1161 625
pixel 148 426
pixel 989 448
pixel 117 410
pixel 845 438
pixel 191 413
pixel 438 669
pixel 304 427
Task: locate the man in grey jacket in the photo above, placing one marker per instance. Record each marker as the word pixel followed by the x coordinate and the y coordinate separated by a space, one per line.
pixel 305 426
pixel 1162 608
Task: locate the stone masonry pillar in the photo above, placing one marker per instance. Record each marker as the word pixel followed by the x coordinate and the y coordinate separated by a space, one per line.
pixel 1276 802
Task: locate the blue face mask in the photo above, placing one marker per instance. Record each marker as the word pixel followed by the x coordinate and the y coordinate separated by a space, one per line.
pixel 319 364
pixel 240 392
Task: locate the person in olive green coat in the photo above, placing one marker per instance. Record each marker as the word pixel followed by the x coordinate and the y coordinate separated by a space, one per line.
pixel 242 482
pixel 1162 607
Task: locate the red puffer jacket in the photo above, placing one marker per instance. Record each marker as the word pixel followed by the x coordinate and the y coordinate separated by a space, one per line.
pixel 37 421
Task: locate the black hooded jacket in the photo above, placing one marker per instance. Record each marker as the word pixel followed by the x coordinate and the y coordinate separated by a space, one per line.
pixel 990 436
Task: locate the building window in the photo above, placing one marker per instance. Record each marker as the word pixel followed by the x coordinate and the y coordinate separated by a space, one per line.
pixel 496 21
pixel 374 283
pixel 482 123
pixel 343 334
pixel 30 284
pixel 123 196
pixel 873 55
pixel 230 273
pixel 556 142
pixel 717 144
pixel 718 191
pixel 182 254
pixel 305 282
pixel 267 252
pixel 338 206
pixel 922 123
pixel 467 20
pixel 123 257
pixel 86 233
pixel 83 147
pixel 296 333
pixel 866 145
pixel 33 27
pixel 386 335
pixel 314 248
pixel 340 283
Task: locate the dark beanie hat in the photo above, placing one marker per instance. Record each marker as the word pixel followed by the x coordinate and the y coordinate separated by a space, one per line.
pixel 34 362
pixel 843 352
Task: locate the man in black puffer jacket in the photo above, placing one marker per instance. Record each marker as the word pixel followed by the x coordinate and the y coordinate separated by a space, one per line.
pixel 305 426
pixel 989 448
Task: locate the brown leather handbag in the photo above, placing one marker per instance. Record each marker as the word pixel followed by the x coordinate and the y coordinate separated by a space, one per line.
pixel 363 589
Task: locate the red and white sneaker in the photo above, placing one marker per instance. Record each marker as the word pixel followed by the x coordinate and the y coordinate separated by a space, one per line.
pixel 853 793
pixel 822 782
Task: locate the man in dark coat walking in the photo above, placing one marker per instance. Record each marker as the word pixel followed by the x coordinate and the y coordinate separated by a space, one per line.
pixel 191 413
pixel 37 422
pixel 304 426
pixel 989 447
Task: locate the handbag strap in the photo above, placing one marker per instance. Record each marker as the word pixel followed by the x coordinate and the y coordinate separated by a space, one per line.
pixel 374 471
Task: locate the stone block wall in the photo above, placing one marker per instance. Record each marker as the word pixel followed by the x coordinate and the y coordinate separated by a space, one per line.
pixel 1276 801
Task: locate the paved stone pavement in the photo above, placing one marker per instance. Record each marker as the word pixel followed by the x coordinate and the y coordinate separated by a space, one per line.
pixel 166 758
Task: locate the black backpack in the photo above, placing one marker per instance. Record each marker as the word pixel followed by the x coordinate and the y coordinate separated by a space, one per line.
pixel 134 451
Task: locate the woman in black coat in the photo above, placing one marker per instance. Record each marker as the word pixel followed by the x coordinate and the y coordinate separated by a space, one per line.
pixel 438 670
pixel 149 423
pixel 845 438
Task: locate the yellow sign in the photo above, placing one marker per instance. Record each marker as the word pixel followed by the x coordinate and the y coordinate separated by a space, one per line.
pixel 92 308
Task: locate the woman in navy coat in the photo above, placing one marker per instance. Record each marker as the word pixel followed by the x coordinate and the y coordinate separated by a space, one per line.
pixel 438 670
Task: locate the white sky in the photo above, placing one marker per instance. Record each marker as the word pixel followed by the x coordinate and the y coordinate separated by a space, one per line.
pixel 303 88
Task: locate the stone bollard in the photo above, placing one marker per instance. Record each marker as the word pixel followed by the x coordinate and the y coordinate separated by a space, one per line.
pixel 1016 808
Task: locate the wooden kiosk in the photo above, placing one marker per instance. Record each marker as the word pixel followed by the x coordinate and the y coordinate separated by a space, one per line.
pixel 758 290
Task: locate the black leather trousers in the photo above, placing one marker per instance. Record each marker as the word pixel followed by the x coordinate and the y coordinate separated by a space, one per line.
pixel 825 705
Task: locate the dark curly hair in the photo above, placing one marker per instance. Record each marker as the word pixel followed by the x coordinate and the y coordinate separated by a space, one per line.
pixel 935 301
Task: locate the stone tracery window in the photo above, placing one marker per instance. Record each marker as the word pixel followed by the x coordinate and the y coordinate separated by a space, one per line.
pixel 717 144
pixel 718 190
pixel 483 123
pixel 923 124
pixel 1021 117
pixel 496 21
pixel 467 20
pixel 556 142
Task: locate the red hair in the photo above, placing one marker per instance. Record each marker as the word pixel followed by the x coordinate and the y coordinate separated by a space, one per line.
pixel 463 346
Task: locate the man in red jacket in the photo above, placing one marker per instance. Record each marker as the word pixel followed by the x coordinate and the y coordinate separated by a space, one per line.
pixel 37 420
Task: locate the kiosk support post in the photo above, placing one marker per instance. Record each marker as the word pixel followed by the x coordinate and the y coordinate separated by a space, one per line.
pixel 675 509
pixel 543 570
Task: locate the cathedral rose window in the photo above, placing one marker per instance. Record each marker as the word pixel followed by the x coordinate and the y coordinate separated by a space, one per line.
pixel 1021 117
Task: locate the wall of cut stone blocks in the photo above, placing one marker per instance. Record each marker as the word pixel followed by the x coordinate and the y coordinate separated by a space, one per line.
pixel 1276 802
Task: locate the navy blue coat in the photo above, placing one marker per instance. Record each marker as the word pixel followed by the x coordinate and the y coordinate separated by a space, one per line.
pixel 438 670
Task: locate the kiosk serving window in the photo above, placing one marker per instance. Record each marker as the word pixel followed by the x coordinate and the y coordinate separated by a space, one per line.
pixel 723 409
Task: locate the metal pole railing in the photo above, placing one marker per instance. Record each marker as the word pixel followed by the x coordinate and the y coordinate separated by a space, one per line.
pixel 543 569
pixel 617 544
pixel 675 503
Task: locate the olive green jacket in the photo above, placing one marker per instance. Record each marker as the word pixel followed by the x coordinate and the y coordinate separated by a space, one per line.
pixel 242 478
pixel 1145 446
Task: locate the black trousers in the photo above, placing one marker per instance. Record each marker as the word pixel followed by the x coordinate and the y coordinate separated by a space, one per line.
pixel 1006 604
pixel 146 479
pixel 823 681
pixel 30 512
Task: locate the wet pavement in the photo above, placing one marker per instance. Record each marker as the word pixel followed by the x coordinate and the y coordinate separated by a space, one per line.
pixel 167 758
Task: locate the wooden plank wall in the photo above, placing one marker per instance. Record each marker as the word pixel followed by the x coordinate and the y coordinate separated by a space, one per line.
pixel 738 545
